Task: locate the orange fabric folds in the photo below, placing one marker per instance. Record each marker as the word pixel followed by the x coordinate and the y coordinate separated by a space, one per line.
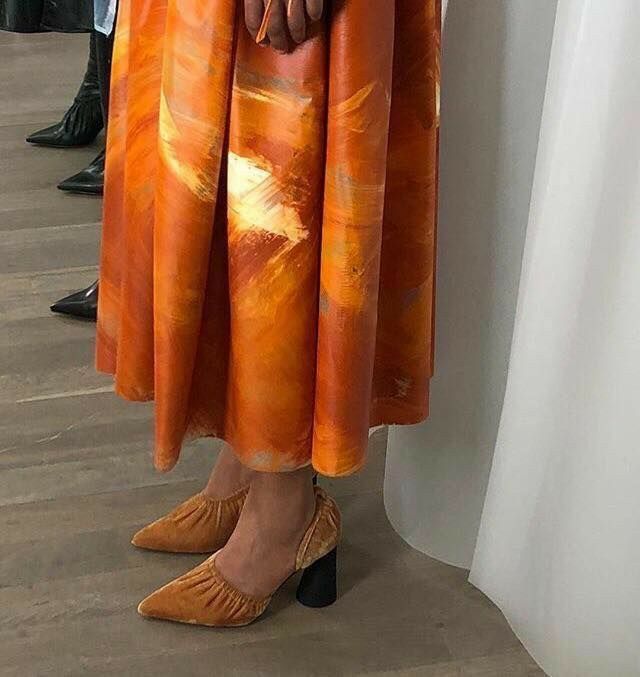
pixel 267 272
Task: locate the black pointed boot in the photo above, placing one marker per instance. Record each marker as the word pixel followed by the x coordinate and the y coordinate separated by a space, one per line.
pixel 89 181
pixel 83 303
pixel 82 123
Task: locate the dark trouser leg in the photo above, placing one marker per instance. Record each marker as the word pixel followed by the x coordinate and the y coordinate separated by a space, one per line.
pixel 104 54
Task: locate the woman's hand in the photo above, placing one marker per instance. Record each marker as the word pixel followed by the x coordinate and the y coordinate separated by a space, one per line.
pixel 281 21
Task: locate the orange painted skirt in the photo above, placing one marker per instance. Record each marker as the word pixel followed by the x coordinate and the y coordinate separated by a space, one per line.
pixel 267 268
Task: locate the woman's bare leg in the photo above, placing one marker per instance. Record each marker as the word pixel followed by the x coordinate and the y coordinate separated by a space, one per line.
pixel 261 553
pixel 228 475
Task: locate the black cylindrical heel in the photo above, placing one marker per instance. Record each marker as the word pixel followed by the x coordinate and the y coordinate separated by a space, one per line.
pixel 318 586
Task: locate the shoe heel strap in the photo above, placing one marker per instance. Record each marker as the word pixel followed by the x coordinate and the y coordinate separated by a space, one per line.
pixel 323 533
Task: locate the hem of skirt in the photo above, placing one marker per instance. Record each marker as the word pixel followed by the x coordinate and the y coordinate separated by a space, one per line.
pixel 193 436
pixel 414 417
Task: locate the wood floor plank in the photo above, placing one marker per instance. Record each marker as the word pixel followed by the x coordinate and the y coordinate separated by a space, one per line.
pixel 27 296
pixel 514 663
pixel 128 467
pixel 37 249
pixel 39 75
pixel 34 207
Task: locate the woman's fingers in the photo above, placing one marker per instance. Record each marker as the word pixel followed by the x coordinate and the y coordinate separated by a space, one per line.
pixel 253 13
pixel 297 20
pixel 279 21
pixel 277 27
pixel 315 9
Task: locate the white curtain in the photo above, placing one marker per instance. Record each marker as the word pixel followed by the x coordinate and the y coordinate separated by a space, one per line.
pixel 557 546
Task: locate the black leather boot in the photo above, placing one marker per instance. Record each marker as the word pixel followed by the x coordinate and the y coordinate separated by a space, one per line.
pixel 89 181
pixel 83 121
pixel 83 303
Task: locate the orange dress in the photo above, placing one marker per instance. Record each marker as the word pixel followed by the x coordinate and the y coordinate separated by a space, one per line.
pixel 267 267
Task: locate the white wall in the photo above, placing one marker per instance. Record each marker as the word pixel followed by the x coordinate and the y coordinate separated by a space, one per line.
pixel 494 73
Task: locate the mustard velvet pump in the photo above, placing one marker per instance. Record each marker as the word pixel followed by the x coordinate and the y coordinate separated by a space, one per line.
pixel 199 525
pixel 203 597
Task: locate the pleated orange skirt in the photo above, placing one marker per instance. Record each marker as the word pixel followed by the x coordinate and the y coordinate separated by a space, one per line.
pixel 267 267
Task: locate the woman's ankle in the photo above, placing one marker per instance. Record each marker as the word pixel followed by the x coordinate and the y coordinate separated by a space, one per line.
pixel 289 495
pixel 261 552
pixel 228 476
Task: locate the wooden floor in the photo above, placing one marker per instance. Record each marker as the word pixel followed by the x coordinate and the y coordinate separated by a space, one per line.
pixel 76 478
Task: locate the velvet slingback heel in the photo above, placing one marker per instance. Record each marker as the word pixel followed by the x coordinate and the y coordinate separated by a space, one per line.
pixel 203 596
